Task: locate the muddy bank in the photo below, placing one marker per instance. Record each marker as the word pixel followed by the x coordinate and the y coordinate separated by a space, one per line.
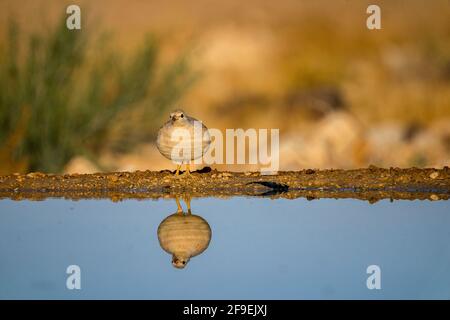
pixel 371 184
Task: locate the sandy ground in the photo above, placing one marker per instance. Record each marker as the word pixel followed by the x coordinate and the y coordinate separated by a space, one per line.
pixel 371 184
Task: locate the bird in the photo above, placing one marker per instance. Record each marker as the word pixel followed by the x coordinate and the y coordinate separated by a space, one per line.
pixel 184 235
pixel 178 140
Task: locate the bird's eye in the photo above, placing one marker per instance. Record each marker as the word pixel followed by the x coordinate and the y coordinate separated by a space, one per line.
pixel 182 116
pixel 183 262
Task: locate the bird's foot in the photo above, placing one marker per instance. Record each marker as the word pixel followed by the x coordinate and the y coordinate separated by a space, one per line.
pixel 175 176
pixel 184 175
pixel 188 175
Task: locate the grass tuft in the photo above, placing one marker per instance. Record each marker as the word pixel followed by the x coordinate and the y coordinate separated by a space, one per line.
pixel 60 98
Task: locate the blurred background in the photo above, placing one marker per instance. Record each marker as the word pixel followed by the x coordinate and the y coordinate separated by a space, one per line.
pixel 342 96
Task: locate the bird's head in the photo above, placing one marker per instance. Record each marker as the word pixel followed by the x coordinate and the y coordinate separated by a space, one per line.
pixel 177 115
pixel 179 261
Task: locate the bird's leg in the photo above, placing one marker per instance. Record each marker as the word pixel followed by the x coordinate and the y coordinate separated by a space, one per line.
pixel 187 200
pixel 179 208
pixel 177 173
pixel 187 173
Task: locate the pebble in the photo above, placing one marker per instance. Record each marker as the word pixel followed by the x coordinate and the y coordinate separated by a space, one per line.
pixel 35 175
pixel 113 178
pixel 434 175
pixel 221 175
pixel 434 197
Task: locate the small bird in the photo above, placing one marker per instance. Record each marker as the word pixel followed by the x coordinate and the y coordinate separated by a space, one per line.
pixel 179 134
pixel 184 235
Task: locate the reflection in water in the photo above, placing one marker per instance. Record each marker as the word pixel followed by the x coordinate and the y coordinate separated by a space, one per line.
pixel 278 249
pixel 184 235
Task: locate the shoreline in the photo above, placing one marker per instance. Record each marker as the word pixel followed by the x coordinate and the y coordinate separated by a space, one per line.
pixel 370 184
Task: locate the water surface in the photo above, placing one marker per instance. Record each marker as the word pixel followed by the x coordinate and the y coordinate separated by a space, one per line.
pixel 259 249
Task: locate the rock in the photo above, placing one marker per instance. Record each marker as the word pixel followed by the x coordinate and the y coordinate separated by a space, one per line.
pixel 113 178
pixel 434 175
pixel 80 165
pixel 434 197
pixel 35 175
pixel 337 140
pixel 386 142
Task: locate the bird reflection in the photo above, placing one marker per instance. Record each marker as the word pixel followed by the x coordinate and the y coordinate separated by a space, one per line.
pixel 184 235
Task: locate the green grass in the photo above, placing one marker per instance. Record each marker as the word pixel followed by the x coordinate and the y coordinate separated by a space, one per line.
pixel 63 94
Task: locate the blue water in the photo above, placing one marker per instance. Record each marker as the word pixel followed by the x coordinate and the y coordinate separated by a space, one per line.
pixel 260 249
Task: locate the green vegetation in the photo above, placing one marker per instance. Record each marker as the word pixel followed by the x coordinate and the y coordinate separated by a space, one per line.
pixel 59 97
